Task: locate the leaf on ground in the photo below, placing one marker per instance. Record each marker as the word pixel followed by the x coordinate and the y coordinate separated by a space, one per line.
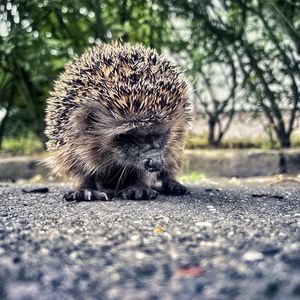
pixel 189 272
pixel 158 230
pixel 37 190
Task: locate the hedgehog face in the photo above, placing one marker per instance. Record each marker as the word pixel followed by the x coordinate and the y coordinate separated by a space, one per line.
pixel 142 149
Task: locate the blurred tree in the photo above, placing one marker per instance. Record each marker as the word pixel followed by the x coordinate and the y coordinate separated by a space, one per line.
pixel 263 43
pixel 39 36
pixel 216 85
pixel 211 66
pixel 255 42
pixel 270 65
pixel 287 15
pixel 215 97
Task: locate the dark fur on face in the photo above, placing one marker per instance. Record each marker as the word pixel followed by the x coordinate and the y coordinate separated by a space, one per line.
pixel 116 122
pixel 141 149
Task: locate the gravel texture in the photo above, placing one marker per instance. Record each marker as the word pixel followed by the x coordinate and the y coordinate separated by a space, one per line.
pixel 230 243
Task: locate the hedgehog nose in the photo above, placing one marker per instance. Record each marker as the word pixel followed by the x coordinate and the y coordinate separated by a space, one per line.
pixel 153 164
pixel 153 161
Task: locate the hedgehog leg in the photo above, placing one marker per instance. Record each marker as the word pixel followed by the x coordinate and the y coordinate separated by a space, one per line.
pixel 172 187
pixel 87 192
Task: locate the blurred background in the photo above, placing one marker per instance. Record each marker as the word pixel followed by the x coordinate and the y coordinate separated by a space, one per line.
pixel 241 56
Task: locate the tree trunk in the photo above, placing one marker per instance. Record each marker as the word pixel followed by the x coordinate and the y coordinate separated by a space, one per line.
pixel 211 132
pixel 2 128
pixel 3 124
pixel 218 140
pixel 284 140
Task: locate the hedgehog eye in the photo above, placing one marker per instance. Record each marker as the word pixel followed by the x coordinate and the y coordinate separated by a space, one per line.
pixel 160 138
pixel 91 118
pixel 155 136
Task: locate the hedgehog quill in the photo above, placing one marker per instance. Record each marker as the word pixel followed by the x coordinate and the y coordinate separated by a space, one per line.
pixel 116 122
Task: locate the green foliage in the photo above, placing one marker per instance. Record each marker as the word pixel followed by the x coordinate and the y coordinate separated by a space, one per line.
pixel 40 36
pixel 194 141
pixel 191 177
pixel 257 40
pixel 23 145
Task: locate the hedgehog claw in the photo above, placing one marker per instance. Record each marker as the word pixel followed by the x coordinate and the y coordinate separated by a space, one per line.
pixel 138 194
pixel 172 187
pixel 85 195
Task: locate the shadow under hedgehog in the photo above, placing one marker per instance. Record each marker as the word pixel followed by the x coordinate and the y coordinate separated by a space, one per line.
pixel 116 122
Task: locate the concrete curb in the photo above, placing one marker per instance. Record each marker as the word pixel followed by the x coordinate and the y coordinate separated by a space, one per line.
pixel 21 167
pixel 214 163
pixel 243 163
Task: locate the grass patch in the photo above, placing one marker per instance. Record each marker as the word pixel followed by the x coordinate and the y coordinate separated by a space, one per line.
pixel 295 139
pixel 245 143
pixel 192 177
pixel 194 141
pixel 26 145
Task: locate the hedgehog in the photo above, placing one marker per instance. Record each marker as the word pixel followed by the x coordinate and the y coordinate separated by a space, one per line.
pixel 116 122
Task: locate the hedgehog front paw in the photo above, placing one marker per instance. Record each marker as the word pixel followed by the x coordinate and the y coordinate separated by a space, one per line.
pixel 85 195
pixel 134 193
pixel 172 187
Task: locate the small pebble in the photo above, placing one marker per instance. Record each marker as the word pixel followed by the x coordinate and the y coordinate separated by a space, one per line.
pixel 270 250
pixel 203 224
pixel 252 255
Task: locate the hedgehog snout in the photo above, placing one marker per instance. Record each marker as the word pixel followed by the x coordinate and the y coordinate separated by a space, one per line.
pixel 153 162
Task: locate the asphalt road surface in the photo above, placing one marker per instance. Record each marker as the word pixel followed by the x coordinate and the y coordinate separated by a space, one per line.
pixel 230 243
